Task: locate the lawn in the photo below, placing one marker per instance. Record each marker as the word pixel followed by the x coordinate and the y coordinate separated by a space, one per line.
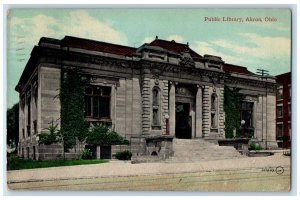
pixel 17 163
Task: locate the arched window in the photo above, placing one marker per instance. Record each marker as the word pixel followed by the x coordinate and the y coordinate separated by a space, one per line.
pixel 213 102
pixel 214 106
pixel 156 106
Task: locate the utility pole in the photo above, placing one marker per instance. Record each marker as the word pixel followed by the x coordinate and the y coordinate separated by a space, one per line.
pixel 263 73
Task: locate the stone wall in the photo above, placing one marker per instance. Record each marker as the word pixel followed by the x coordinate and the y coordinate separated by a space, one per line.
pixel 118 148
pixel 218 130
pixel 151 148
pixel 266 120
pixel 128 107
pixel 46 109
pixel 49 96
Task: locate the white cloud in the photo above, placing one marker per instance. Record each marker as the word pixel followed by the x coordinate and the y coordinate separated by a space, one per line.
pixel 77 23
pixel 176 38
pixel 81 24
pixel 258 51
pixel 260 46
pixel 274 26
pixel 203 48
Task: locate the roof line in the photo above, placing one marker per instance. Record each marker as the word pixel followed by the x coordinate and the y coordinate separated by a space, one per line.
pixel 96 41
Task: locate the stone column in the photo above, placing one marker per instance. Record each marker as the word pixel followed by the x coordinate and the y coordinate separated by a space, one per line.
pixel 146 120
pixel 113 106
pixel 172 109
pixel 199 112
pixel 98 152
pixel 221 114
pixel 206 112
pixel 254 119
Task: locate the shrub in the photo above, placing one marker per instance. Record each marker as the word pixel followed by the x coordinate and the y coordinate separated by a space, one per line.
pixel 51 136
pixel 255 146
pixel 100 135
pixel 86 154
pixel 123 155
pixel 115 139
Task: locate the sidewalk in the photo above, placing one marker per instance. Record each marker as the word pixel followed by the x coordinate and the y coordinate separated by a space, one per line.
pixel 125 168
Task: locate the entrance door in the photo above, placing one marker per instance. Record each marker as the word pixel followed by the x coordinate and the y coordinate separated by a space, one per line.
pixel 183 121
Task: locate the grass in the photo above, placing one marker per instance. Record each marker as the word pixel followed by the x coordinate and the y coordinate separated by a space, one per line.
pixel 17 163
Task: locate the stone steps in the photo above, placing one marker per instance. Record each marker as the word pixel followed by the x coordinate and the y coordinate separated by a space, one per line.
pixel 187 150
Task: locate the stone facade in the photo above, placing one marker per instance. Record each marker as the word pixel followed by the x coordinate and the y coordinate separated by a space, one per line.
pixel 156 92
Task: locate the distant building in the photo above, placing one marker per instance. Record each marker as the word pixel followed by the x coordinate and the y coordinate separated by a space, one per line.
pixel 149 94
pixel 283 108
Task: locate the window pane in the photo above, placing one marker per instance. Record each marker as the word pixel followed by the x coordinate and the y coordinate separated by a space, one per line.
pixel 28 111
pixel 106 91
pixel 97 101
pixel 279 111
pixel 104 107
pixel 279 93
pixel 96 107
pixel 97 90
pixel 88 106
pixel 279 130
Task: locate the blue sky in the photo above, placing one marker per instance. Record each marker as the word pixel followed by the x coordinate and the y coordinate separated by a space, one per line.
pixel 254 45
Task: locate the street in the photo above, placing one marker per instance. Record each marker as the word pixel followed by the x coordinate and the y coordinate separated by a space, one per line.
pixel 264 174
pixel 220 181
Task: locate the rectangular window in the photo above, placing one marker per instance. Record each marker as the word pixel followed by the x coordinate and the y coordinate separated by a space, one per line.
pixel 290 130
pixel 28 115
pixel 279 93
pixel 213 120
pixel 28 110
pixel 279 130
pixel 97 102
pixel 28 152
pixel 279 111
pixel 290 109
pixel 246 113
pixel 35 126
pixel 33 153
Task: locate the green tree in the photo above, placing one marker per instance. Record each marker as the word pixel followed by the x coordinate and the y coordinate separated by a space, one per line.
pixel 13 125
